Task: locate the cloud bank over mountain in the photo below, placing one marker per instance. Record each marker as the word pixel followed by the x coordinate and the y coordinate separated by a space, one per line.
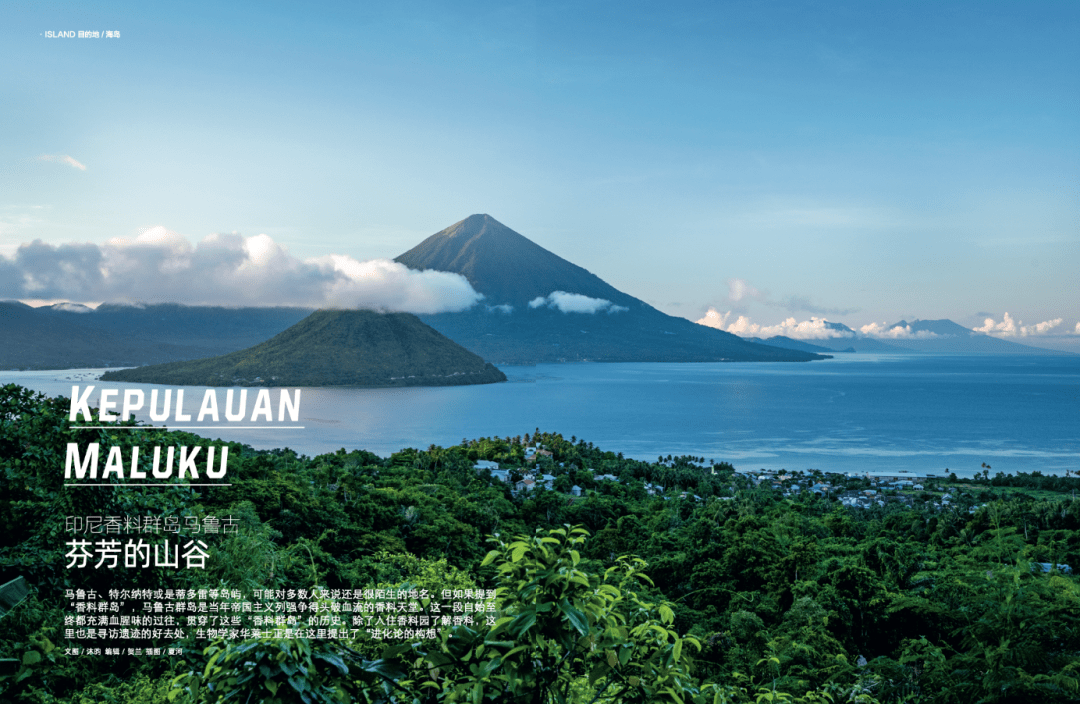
pixel 1016 328
pixel 820 329
pixel 576 303
pixel 224 269
pixel 812 329
pixel 884 331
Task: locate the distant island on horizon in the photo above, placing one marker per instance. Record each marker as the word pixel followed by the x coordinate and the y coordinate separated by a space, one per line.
pixel 539 307
pixel 917 337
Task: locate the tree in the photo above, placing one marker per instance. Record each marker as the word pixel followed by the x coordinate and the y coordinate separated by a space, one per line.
pixel 562 634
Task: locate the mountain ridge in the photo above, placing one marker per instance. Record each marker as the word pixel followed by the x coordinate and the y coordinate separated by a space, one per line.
pixel 948 337
pixel 57 338
pixel 525 318
pixel 479 248
pixel 940 336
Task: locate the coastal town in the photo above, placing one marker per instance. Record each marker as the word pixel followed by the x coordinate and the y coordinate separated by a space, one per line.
pixel 855 490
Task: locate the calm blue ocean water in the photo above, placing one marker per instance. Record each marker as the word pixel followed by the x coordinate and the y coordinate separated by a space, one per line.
pixel 851 413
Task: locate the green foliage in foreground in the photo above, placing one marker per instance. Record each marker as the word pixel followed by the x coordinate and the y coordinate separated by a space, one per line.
pixel 742 595
pixel 563 635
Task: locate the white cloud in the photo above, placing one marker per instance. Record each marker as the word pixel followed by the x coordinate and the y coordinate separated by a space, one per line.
pixel 1016 328
pixel 1006 327
pixel 819 328
pixel 576 303
pixel 504 308
pixel 895 332
pixel 1044 327
pixel 74 307
pixel 63 159
pixel 714 319
pixel 383 284
pixel 812 329
pixel 224 269
pixel 744 327
pixel 260 249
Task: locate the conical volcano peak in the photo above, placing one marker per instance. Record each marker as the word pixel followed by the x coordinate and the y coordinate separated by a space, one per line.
pixel 539 307
pixel 508 268
pixel 479 225
pixel 473 224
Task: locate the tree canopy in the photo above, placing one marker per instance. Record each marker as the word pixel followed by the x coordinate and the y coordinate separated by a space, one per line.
pixel 680 580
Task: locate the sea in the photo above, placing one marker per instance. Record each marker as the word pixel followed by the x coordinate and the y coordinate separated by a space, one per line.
pixel 853 413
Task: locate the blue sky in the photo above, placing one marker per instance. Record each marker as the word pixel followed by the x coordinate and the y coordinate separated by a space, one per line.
pixel 860 161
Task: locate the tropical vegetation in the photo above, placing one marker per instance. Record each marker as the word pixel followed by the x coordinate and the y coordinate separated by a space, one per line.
pixel 715 588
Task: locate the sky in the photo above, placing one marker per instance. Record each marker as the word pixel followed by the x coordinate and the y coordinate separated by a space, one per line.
pixel 773 162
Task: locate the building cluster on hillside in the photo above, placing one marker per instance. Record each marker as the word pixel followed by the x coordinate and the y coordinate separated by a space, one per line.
pixel 529 478
pixel 875 488
pixel 534 453
pixel 896 480
pixel 791 484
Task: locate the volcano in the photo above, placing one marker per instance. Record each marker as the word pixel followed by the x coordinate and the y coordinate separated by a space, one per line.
pixel 333 348
pixel 538 307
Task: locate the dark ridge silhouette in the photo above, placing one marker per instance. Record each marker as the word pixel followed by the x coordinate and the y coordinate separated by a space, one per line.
pixel 52 338
pixel 793 344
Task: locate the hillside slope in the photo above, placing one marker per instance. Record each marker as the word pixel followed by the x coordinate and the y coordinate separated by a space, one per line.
pixel 334 348
pixel 66 336
pixel 527 316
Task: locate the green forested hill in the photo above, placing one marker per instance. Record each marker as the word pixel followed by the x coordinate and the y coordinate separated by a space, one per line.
pixel 334 348
pixel 733 593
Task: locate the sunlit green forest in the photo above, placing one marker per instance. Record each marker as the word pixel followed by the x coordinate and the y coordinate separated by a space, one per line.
pixel 715 588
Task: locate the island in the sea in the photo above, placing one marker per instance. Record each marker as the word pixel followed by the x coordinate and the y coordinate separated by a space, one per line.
pixel 333 348
pixel 539 307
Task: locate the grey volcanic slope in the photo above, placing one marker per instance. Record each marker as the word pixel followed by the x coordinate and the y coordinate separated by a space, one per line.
pixel 511 270
pixel 333 348
pixel 505 266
